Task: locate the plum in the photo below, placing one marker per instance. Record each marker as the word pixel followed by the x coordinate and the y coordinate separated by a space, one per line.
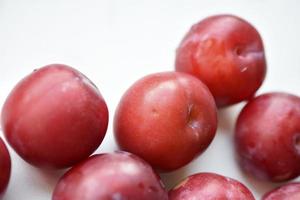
pixel 54 117
pixel 167 119
pixel 267 137
pixel 114 176
pixel 210 186
pixel 5 167
pixel 290 191
pixel 227 54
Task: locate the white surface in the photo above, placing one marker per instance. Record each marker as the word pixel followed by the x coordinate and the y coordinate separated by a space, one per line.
pixel 115 42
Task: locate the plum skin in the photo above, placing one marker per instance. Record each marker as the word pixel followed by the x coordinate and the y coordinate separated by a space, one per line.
pixel 113 176
pixel 210 186
pixel 267 137
pixel 167 119
pixel 5 167
pixel 54 117
pixel 227 54
pixel 290 191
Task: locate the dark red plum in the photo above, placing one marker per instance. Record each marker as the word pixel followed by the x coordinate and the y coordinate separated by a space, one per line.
pixel 227 54
pixel 267 137
pixel 54 117
pixel 289 191
pixel 5 167
pixel 210 186
pixel 167 118
pixel 114 176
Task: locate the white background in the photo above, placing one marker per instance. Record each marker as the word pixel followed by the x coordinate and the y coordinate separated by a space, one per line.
pixel 116 42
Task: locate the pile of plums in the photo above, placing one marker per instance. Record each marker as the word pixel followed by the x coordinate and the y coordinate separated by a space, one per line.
pixel 163 121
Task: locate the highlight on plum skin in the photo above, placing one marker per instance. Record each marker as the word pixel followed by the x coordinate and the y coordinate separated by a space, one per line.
pixel 54 117
pixel 5 167
pixel 227 54
pixel 210 186
pixel 166 118
pixel 112 176
pixel 289 191
pixel 267 137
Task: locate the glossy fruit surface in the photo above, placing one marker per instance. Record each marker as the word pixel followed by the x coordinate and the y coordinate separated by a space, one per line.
pixel 267 137
pixel 54 117
pixel 290 191
pixel 210 186
pixel 114 176
pixel 167 119
pixel 227 54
